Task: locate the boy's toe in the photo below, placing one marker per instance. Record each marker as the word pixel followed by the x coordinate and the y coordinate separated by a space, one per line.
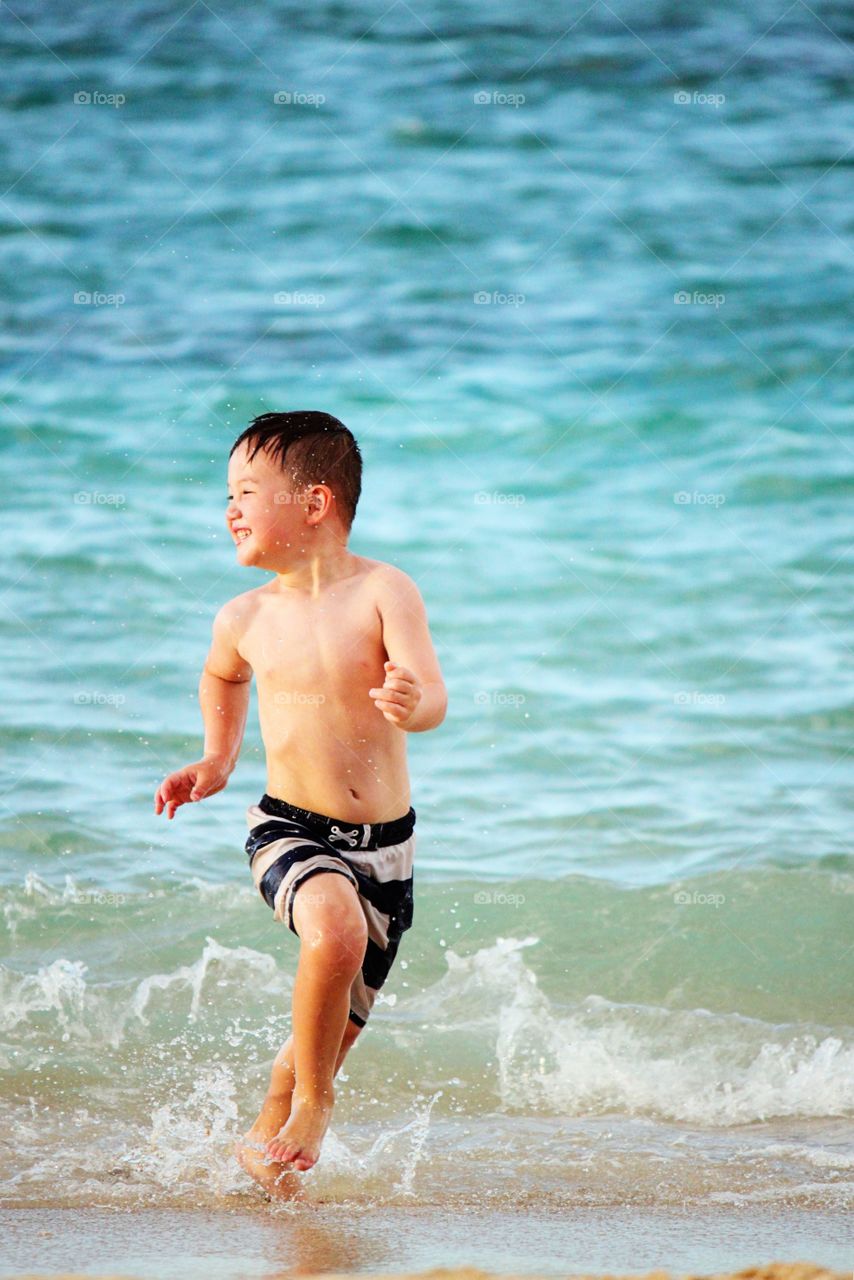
pixel 281 1151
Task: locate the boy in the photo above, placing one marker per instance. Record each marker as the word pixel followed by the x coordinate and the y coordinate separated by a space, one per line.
pixel 341 650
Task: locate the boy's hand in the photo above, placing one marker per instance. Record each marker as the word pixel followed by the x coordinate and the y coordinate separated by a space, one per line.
pixel 193 782
pixel 400 694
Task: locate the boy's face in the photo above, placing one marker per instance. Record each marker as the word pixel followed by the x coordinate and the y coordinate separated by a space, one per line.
pixel 264 516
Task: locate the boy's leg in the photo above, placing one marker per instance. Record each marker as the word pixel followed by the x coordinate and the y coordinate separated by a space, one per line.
pixel 282 1079
pixel 333 937
pixel 276 1178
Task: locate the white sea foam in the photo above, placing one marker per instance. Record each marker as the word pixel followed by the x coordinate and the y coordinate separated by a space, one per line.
pixel 247 963
pixel 63 996
pixel 688 1065
pixel 58 988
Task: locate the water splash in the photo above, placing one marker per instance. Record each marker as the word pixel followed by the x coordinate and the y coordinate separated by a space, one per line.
pixel 418 1128
pixel 190 1140
pixel 58 988
pixel 252 964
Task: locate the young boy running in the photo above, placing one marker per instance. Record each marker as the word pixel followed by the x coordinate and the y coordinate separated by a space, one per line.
pixel 345 667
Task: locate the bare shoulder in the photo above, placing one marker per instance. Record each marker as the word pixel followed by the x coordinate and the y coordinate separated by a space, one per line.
pixel 396 596
pixel 236 614
pixel 388 582
pixel 388 576
pixel 226 657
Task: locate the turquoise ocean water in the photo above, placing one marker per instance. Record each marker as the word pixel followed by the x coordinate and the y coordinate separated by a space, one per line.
pixel 579 281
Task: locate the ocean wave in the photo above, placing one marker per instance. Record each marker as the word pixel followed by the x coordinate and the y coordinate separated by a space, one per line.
pixel 486 1021
pixel 58 1000
pixel 691 1065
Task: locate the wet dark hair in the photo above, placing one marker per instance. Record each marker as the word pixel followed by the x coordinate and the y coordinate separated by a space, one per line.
pixel 313 448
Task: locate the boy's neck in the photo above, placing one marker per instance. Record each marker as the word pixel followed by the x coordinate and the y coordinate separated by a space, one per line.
pixel 319 569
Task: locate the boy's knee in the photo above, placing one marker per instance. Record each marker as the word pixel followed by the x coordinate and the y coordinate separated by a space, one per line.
pixel 338 945
pixel 329 920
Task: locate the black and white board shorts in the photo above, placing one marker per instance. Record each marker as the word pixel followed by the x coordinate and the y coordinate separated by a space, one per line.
pixel 287 845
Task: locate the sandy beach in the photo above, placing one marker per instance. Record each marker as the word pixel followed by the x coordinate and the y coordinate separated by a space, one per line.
pixel 766 1271
pixel 261 1241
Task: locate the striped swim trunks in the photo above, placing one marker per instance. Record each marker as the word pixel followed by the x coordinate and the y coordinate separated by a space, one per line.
pixel 287 845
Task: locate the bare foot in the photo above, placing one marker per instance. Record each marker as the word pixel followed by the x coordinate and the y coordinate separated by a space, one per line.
pixel 277 1179
pixel 298 1142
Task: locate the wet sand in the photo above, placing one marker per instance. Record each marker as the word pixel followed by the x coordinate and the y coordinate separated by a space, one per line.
pixel 771 1271
pixel 768 1271
pixel 250 1239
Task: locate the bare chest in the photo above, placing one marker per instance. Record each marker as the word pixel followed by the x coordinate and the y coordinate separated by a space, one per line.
pixel 321 647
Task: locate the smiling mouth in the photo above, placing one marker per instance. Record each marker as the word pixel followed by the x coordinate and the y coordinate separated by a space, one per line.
pixel 242 534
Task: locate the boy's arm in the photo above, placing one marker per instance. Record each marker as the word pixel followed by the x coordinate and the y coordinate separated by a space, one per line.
pixel 224 690
pixel 224 700
pixel 413 695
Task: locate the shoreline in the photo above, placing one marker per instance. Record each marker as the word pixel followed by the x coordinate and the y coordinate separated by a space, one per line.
pixel 762 1271
pixel 249 1239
